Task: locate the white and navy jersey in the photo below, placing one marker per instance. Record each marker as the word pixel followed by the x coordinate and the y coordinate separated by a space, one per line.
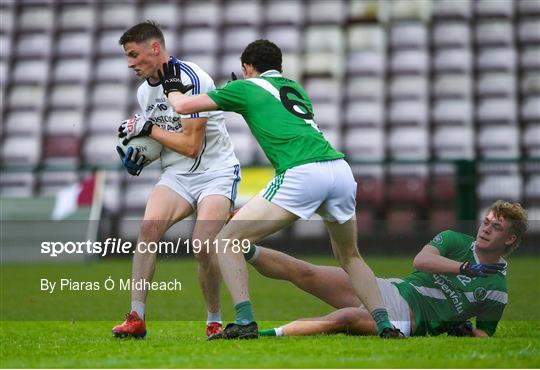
pixel 216 150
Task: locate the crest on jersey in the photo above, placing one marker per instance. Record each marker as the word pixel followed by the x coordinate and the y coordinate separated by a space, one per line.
pixel 480 294
pixel 438 239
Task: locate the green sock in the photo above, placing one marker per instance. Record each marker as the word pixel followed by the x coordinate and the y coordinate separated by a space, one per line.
pixel 268 333
pixel 251 252
pixel 243 313
pixel 380 315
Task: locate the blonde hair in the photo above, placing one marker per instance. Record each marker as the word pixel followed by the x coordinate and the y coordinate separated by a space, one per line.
pixel 516 215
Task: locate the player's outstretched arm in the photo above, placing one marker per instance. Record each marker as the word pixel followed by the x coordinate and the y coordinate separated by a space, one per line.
pixel 430 260
pixel 184 104
pixel 174 89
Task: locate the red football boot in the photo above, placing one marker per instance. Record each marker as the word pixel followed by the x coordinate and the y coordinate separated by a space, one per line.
pixel 134 327
pixel 213 328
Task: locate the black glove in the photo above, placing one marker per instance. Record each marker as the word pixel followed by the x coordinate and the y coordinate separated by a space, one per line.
pixel 171 79
pixel 134 127
pixel 480 269
pixel 233 76
pixel 464 329
pixel 131 160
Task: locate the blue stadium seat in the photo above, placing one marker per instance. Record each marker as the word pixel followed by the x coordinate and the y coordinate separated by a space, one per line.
pixel 65 122
pixel 452 34
pixel 452 85
pixel 289 38
pixel 409 143
pixel 164 13
pixel 409 35
pixel 67 95
pixel 497 59
pixel 21 150
pixel 327 114
pixel 452 112
pixel 453 142
pixel 242 12
pixel 498 142
pixel 36 17
pixel 494 8
pixel 75 16
pixel 494 33
pixel 365 88
pixel 75 44
pixel 496 110
pixel 408 112
pixel 365 144
pixel 34 44
pixel 235 39
pixel 362 113
pixel 285 12
pixel 499 84
pixel 105 120
pixel 199 40
pixel 328 12
pixel 531 140
pixel 111 94
pixel 118 15
pixel 17 184
pixel 452 9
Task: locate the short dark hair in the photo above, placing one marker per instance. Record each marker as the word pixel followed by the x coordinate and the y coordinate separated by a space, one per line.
pixel 263 55
pixel 143 32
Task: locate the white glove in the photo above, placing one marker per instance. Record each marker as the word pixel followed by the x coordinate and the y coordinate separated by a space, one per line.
pixel 134 127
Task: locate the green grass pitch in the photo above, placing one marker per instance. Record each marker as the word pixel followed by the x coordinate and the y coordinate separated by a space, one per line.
pixel 73 329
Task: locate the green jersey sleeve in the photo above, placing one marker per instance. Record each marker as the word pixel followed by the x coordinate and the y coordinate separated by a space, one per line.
pixel 231 97
pixel 444 241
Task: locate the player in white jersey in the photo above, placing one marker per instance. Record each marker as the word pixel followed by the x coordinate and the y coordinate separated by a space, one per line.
pixel 200 172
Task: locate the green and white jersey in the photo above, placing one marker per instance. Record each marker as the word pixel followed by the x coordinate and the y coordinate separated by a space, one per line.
pixel 280 116
pixel 439 300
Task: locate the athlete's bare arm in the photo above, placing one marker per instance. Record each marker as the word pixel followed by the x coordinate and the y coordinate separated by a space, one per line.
pixel 188 142
pixel 184 104
pixel 430 260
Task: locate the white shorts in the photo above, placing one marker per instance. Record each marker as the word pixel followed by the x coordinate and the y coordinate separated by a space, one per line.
pixel 397 307
pixel 327 188
pixel 195 187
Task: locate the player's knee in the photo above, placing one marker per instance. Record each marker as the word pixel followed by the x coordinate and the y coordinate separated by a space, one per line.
pixel 346 317
pixel 151 230
pixel 203 258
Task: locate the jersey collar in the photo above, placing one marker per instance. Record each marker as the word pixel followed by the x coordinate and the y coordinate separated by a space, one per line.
pixel 473 248
pixel 270 73
pixel 174 60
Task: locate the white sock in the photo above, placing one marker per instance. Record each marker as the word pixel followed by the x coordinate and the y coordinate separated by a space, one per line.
pixel 255 255
pixel 138 307
pixel 279 332
pixel 213 317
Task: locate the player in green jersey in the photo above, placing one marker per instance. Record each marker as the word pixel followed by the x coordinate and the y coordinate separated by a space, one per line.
pixel 311 177
pixel 457 277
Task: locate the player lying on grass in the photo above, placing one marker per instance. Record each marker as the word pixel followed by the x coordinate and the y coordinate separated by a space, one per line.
pixel 457 277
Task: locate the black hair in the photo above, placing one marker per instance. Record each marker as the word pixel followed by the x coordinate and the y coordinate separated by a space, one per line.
pixel 143 32
pixel 263 55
